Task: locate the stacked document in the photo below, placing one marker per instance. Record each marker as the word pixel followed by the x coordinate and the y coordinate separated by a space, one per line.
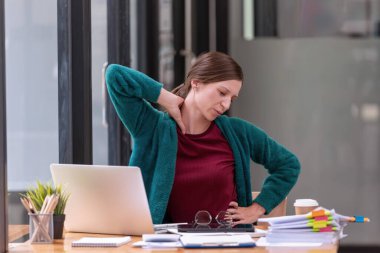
pixel 217 241
pixel 319 226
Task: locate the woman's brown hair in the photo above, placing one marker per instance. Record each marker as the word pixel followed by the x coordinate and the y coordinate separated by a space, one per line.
pixel 210 67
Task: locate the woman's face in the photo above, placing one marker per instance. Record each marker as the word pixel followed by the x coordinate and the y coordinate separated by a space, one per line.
pixel 213 99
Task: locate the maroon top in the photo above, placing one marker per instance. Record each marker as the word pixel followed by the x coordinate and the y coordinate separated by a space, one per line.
pixel 204 176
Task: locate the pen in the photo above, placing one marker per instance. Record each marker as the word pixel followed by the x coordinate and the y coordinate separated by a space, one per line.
pixel 359 219
pixel 216 244
pixel 161 231
pixel 169 225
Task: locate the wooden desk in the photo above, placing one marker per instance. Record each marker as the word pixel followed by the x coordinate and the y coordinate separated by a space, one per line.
pixel 64 245
pixel 17 231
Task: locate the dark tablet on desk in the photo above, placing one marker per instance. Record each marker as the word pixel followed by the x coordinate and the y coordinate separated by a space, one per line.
pixel 215 228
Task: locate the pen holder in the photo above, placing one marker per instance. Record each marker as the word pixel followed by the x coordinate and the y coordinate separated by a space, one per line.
pixel 41 228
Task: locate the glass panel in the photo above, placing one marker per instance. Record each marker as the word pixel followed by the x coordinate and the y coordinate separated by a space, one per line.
pixel 99 93
pixel 32 90
pixel 320 97
pixel 167 52
pixel 313 18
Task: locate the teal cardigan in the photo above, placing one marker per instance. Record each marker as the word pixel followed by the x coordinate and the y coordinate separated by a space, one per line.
pixel 155 145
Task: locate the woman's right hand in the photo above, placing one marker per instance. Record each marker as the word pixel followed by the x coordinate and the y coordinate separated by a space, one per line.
pixel 172 104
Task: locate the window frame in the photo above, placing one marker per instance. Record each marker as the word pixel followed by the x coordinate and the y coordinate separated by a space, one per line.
pixel 3 140
pixel 74 81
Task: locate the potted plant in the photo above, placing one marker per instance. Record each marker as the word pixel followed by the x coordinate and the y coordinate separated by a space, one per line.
pixel 37 196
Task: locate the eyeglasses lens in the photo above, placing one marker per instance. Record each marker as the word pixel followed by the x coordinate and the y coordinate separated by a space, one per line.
pixel 203 218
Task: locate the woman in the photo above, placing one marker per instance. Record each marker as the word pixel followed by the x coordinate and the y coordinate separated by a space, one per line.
pixel 193 157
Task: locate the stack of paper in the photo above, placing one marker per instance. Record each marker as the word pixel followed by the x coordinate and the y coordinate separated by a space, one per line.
pixel 318 226
pixel 217 241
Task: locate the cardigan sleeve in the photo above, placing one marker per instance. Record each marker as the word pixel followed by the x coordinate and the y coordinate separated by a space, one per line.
pixel 282 165
pixel 130 91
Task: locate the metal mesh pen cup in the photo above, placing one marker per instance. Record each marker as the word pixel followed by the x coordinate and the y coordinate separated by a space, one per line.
pixel 41 228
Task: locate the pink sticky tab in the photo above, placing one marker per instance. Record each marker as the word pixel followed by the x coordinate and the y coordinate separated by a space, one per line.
pixel 326 229
pixel 319 218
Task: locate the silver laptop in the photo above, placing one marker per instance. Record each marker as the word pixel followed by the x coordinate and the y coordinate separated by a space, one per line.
pixel 104 199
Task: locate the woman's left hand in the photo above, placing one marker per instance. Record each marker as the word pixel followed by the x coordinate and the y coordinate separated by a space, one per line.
pixel 245 215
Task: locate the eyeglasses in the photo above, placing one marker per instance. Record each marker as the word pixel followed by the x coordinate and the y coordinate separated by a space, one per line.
pixel 204 218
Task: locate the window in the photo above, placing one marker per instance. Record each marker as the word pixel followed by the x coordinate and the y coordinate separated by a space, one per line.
pixel 31 90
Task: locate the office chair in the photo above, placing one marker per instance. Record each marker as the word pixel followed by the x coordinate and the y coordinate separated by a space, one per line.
pixel 279 210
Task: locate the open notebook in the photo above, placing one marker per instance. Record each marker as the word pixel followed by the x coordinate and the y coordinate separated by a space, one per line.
pixel 101 242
